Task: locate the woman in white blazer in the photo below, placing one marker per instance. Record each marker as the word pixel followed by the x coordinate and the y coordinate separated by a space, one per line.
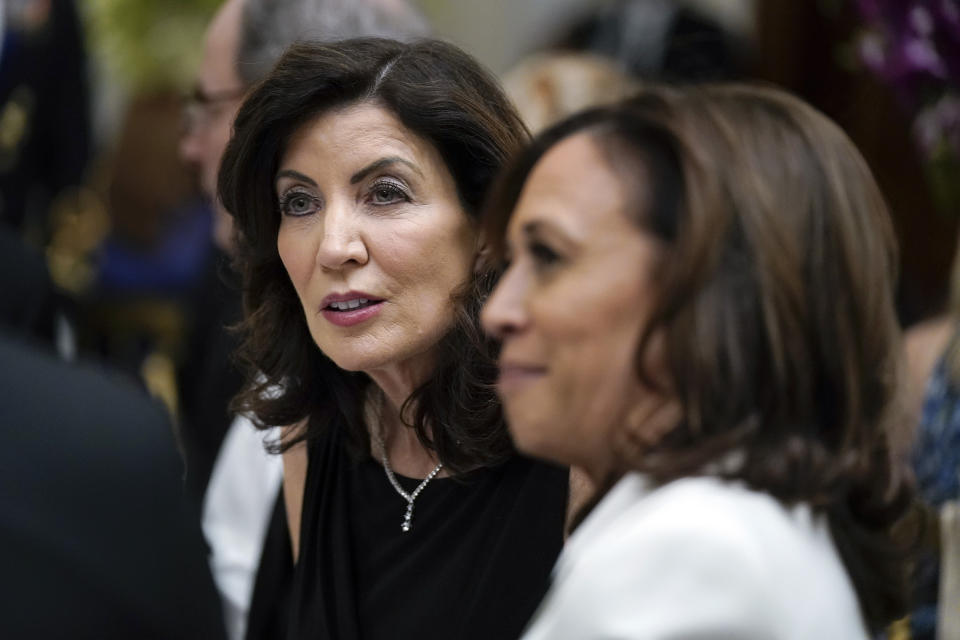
pixel 697 311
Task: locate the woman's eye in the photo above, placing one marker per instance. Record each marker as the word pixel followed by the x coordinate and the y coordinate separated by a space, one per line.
pixel 384 193
pixel 543 255
pixel 296 203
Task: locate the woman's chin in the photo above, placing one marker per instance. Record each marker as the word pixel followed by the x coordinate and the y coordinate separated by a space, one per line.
pixel 368 362
pixel 355 361
pixel 358 365
pixel 532 438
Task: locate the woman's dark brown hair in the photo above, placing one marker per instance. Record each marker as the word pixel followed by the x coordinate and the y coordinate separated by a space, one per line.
pixel 440 94
pixel 774 303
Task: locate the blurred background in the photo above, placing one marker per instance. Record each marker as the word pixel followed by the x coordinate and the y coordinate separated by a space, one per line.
pixel 91 96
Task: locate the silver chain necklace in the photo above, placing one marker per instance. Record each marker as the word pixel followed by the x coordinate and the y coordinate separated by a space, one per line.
pixel 409 497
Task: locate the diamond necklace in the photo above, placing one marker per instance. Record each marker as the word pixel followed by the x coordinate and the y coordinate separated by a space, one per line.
pixel 409 497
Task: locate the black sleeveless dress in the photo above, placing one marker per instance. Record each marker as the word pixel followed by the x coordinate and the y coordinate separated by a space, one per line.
pixel 475 563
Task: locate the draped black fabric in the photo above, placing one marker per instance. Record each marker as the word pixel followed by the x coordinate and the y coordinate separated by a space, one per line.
pixel 267 619
pixel 474 565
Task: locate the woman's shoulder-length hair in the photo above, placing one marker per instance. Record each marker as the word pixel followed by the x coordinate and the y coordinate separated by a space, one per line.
pixel 774 303
pixel 446 98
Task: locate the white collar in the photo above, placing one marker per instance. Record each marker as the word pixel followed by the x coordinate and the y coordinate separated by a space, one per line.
pixel 627 491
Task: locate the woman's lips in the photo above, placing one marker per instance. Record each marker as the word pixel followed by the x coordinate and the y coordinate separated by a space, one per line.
pixel 350 307
pixel 514 376
pixel 350 317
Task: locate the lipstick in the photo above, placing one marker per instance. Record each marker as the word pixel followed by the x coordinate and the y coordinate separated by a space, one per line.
pixel 515 375
pixel 350 308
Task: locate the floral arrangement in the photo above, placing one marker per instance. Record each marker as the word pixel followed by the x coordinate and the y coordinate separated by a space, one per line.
pixel 914 47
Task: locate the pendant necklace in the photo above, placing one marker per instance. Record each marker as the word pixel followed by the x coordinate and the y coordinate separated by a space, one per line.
pixel 409 497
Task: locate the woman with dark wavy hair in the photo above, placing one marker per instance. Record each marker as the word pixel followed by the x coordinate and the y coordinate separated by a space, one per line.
pixel 355 175
pixel 698 311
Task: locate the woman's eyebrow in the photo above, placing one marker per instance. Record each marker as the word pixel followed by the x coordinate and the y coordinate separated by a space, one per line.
pixel 379 164
pixel 296 175
pixel 551 230
pixel 540 228
pixel 532 228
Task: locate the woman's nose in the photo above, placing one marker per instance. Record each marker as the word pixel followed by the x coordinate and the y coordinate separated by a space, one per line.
pixel 504 313
pixel 342 241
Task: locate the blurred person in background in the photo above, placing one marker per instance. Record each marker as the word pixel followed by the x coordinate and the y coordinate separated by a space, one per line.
pixel 931 442
pixel 44 112
pixel 355 176
pixel 698 310
pixel 227 467
pixel 28 299
pixel 654 40
pixel 550 86
pixel 95 539
pixel 913 48
pixel 44 150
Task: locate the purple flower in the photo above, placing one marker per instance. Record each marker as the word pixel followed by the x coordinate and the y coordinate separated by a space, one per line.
pixel 937 127
pixel 883 11
pixel 947 17
pixel 921 22
pixel 920 36
pixel 920 56
pixel 914 46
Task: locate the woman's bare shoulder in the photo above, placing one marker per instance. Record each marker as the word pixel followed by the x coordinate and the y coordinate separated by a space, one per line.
pixel 924 343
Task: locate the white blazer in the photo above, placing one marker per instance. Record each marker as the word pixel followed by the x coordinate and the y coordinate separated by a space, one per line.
pixel 698 558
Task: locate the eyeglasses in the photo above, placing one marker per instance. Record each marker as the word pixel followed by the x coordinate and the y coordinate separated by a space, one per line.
pixel 200 105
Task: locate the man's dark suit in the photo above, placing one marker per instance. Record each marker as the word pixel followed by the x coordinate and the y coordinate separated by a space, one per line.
pixel 95 539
